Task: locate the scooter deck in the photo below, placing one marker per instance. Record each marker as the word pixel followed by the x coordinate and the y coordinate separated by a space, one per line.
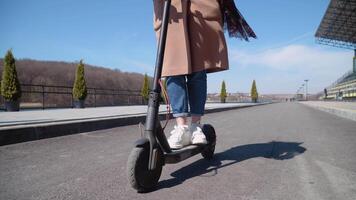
pixel 181 154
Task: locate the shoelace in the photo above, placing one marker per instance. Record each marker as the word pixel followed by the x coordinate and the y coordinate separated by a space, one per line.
pixel 197 131
pixel 177 132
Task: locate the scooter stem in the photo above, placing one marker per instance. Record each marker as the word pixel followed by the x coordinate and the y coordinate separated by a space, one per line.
pixel 155 94
pixel 161 45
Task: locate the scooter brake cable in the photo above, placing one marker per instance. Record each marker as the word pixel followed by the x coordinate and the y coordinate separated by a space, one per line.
pixel 166 99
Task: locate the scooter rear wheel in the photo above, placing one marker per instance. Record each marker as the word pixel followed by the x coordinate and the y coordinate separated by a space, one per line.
pixel 210 135
pixel 140 177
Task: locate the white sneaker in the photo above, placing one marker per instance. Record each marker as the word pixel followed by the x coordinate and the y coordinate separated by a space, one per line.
pixel 180 137
pixel 198 137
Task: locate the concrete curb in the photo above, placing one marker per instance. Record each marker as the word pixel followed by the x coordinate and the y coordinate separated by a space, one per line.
pixel 56 129
pixel 336 111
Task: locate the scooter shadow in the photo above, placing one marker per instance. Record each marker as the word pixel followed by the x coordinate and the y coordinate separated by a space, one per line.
pixel 273 150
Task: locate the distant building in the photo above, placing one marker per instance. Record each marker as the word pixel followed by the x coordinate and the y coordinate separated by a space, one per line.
pixel 344 88
pixel 338 29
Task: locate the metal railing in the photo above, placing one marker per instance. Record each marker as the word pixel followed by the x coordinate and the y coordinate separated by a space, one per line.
pixel 339 80
pixel 54 96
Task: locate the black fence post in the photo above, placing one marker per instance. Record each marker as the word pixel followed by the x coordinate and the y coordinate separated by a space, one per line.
pixel 43 99
pixel 94 97
pixel 113 98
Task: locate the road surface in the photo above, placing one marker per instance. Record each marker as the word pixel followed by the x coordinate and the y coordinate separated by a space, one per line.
pixel 277 151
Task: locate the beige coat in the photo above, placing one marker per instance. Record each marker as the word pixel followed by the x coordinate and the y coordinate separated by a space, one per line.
pixel 195 38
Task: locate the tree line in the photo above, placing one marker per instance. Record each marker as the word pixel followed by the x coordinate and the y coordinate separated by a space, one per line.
pixel 253 93
pixel 63 74
pixel 55 73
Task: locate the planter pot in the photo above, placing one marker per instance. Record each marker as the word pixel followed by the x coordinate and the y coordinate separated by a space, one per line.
pixel 12 106
pixel 78 103
pixel 223 100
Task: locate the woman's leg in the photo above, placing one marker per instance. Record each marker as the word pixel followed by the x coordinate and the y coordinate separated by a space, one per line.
pixel 197 92
pixel 197 89
pixel 178 96
pixel 181 120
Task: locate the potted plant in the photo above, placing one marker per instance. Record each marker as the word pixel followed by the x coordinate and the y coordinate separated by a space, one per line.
pixel 145 90
pixel 223 93
pixel 254 93
pixel 79 87
pixel 10 85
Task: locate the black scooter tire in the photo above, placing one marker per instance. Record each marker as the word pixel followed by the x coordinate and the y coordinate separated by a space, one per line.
pixel 140 178
pixel 209 131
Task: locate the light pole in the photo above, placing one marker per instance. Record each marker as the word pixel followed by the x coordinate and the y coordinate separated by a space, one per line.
pixel 306 89
pixel 298 92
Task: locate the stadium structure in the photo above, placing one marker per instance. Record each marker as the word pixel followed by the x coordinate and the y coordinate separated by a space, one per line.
pixel 338 29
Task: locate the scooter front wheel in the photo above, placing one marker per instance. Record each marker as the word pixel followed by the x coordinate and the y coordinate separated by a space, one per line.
pixel 140 177
pixel 209 131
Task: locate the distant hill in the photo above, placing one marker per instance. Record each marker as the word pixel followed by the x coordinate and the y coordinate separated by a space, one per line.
pixel 63 73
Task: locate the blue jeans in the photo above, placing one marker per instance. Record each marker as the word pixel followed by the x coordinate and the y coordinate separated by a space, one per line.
pixel 187 89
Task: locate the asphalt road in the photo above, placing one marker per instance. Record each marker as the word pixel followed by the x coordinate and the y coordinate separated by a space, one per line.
pixel 277 151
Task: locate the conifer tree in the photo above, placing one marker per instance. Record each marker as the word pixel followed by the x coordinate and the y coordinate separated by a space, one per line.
pixel 254 93
pixel 145 88
pixel 10 85
pixel 80 88
pixel 223 93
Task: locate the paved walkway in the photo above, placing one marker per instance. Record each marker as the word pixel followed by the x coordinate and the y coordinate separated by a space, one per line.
pixel 28 125
pixel 31 117
pixel 341 109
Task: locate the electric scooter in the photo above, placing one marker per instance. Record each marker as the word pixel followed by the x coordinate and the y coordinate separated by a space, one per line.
pixel 152 151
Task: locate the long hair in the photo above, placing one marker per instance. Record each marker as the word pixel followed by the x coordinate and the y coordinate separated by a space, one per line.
pixel 234 22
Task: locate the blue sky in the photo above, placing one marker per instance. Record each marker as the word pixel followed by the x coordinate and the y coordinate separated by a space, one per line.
pixel 118 34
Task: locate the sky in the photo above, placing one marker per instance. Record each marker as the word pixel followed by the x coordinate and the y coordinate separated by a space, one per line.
pixel 118 34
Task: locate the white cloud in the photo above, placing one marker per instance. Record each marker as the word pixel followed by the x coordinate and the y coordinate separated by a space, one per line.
pixel 284 69
pixel 298 57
